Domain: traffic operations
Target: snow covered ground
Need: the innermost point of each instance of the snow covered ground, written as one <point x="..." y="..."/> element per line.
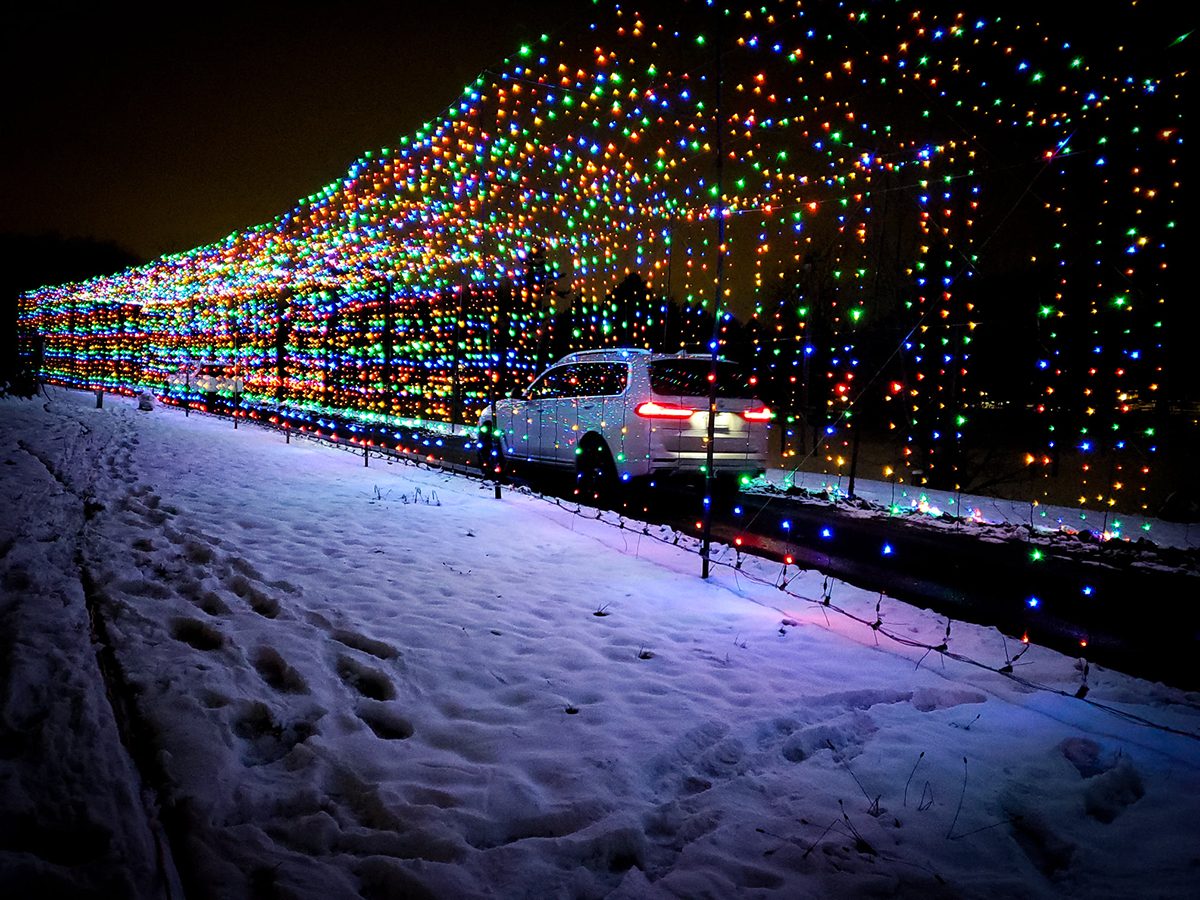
<point x="232" y="666"/>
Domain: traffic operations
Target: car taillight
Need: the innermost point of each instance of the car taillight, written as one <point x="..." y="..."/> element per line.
<point x="762" y="414"/>
<point x="653" y="410"/>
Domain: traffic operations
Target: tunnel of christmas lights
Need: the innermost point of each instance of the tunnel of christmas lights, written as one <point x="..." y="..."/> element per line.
<point x="929" y="216"/>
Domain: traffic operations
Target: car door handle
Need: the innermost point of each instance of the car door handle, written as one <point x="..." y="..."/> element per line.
<point x="587" y="405"/>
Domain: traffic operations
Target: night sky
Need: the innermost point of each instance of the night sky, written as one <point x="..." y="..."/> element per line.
<point x="162" y="133"/>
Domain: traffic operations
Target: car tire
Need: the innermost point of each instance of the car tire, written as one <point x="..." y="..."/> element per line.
<point x="725" y="490"/>
<point x="491" y="455"/>
<point x="595" y="474"/>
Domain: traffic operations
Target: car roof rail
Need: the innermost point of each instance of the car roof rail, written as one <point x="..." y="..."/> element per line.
<point x="690" y="354"/>
<point x="604" y="353"/>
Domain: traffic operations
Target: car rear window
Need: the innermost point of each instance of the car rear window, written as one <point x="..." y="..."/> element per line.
<point x="689" y="378"/>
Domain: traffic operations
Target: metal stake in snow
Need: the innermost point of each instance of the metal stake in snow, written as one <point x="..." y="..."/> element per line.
<point x="715" y="343"/>
<point x="493" y="440"/>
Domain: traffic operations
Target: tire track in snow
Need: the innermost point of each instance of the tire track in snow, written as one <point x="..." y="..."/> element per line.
<point x="137" y="737"/>
<point x="135" y="733"/>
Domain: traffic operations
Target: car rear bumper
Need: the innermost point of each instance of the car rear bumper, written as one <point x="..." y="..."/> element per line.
<point x="728" y="463"/>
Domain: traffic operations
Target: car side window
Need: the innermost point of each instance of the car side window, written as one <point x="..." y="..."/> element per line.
<point x="601" y="379"/>
<point x="536" y="388"/>
<point x="581" y="380"/>
<point x="554" y="383"/>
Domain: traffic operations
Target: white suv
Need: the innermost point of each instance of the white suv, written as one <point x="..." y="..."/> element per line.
<point x="613" y="415"/>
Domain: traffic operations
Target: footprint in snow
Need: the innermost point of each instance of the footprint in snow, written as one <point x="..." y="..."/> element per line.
<point x="842" y="737"/>
<point x="277" y="673"/>
<point x="263" y="604"/>
<point x="930" y="699"/>
<point x="1112" y="782"/>
<point x="370" y="683"/>
<point x="702" y="754"/>
<point x="384" y="721"/>
<point x="197" y="634"/>
<point x="264" y="739"/>
<point x="370" y="646"/>
<point x="198" y="552"/>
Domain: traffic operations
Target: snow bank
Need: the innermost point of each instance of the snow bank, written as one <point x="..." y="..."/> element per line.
<point x="934" y="505"/>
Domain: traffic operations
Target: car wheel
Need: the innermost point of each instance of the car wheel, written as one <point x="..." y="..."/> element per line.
<point x="595" y="474"/>
<point x="491" y="456"/>
<point x="725" y="489"/>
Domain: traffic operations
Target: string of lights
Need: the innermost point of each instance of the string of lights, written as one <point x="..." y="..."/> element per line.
<point x="865" y="152"/>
